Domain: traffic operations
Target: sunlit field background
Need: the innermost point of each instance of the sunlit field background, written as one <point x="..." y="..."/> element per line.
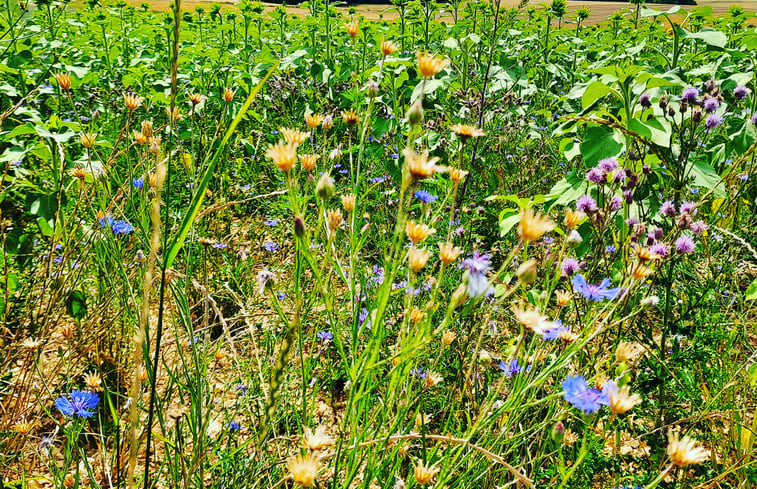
<point x="451" y="245"/>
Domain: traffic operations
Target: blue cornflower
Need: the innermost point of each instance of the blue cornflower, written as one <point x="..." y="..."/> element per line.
<point x="478" y="282"/>
<point x="270" y="246"/>
<point x="425" y="196"/>
<point x="220" y="246"/>
<point x="106" y="221"/>
<point x="375" y="180"/>
<point x="511" y="367"/>
<point x="610" y="249"/>
<point x="418" y="372"/>
<point x="582" y="396"/>
<point x="595" y="292"/>
<point x="281" y="296"/>
<point x="121" y="227"/>
<point x="78" y="403"/>
<point x="271" y="222"/>
<point x="324" y="336"/>
<point x="138" y="183"/>
<point x="555" y="331"/>
<point x="234" y="426"/>
<point x="377" y="278"/>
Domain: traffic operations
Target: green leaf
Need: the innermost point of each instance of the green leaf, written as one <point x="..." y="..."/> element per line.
<point x="751" y="291"/>
<point x="595" y="91"/>
<point x="601" y="142"/>
<point x="706" y="176"/>
<point x="76" y="305"/>
<point x="710" y="37"/>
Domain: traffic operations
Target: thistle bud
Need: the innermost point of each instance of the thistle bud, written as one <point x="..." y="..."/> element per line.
<point x="371" y="89"/>
<point x="527" y="271"/>
<point x="696" y="116"/>
<point x="324" y="189"/>
<point x="558" y="432"/>
<point x="299" y="227"/>
<point x="415" y="113"/>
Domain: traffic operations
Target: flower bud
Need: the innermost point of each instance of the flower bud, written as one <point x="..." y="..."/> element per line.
<point x="371" y="89"/>
<point x="558" y="432"/>
<point x="325" y="187"/>
<point x="415" y="113"/>
<point x="299" y="227"/>
<point x="527" y="271"/>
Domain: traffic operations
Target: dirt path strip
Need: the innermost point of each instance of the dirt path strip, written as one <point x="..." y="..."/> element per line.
<point x="600" y="11"/>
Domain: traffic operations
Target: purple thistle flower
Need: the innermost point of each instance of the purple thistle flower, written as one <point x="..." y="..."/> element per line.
<point x="595" y="292"/>
<point x="685" y="245"/>
<point x="659" y="249"/>
<point x="688" y="207"/>
<point x="754" y="118"/>
<point x="608" y="164"/>
<point x="81" y="404"/>
<point x="570" y="266"/>
<point x="618" y="175"/>
<point x="712" y="121"/>
<point x="645" y="100"/>
<point x="270" y="246"/>
<point x="596" y="175"/>
<point x="586" y="204"/>
<point x="616" y="203"/>
<point x="425" y="196"/>
<point x="740" y="92"/>
<point x="690" y="95"/>
<point x="580" y="395"/>
<point x="668" y="209"/>
<point x="711" y="105"/>
<point x="698" y="227"/>
<point x="478" y="265"/>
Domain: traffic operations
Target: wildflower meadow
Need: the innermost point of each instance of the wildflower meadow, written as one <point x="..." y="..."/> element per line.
<point x="462" y="245"/>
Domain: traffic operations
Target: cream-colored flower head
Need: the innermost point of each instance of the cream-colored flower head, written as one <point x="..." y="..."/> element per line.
<point x="531" y="318"/>
<point x="621" y="399"/>
<point x="627" y="352"/>
<point x="388" y="48"/>
<point x="313" y="120"/>
<point x="533" y="226"/>
<point x="448" y="252"/>
<point x="417" y="258"/>
<point x="424" y="474"/>
<point x="465" y="131"/>
<point x="303" y="469"/>
<point x="316" y="440"/>
<point x="293" y="136"/>
<point x="283" y="155"/>
<point x="684" y="451"/>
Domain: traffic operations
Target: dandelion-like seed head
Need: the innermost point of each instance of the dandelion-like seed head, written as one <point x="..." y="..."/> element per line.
<point x="328" y="123"/>
<point x="530" y="318"/>
<point x="417" y="232"/>
<point x="132" y="101"/>
<point x="430" y="65"/>
<point x="63" y="80"/>
<point x="533" y="226"/>
<point x="626" y="352"/>
<point x="684" y="451"/>
<point x="572" y="218"/>
<point x="334" y="218"/>
<point x="388" y="48"/>
<point x="316" y="440"/>
<point x="432" y="379"/>
<point x="313" y="120"/>
<point x="294" y="136"/>
<point x="284" y="155"/>
<point x="155" y="143"/>
<point x="303" y="469"/>
<point x="417" y="258"/>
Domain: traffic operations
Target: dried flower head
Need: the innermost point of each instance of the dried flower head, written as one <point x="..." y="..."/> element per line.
<point x="303" y="469"/>
<point x="466" y="132"/>
<point x="645" y="255"/>
<point x="533" y="226"/>
<point x="139" y="137"/>
<point x="196" y="98"/>
<point x="640" y="272"/>
<point x="228" y="95"/>
<point x="173" y="115"/>
<point x="419" y="165"/>
<point x="23" y="427"/>
<point x="424" y="474"/>
<point x="348" y="202"/>
<point x="432" y="379"/>
<point x="155" y="143"/>
<point x="448" y="252"/>
<point x="294" y="136"/>
<point x="417" y="232"/>
<point x="430" y="65"/>
<point x="328" y="123"/>
<point x="350" y="117"/>
<point x="448" y="337"/>
<point x="316" y="440"/>
<point x="63" y="80"/>
<point x="572" y="218"/>
<point x="308" y="161"/>
<point x="621" y="399"/>
<point x="334" y="218"/>
<point x="417" y="258"/>
<point x="627" y="352"/>
<point x="79" y="172"/>
<point x="147" y="128"/>
<point x="313" y="120"/>
<point x="283" y="155"/>
<point x="352" y="29"/>
<point x="388" y="48"/>
<point x="684" y="452"/>
<point x="87" y="139"/>
<point x="563" y="297"/>
<point x="93" y="381"/>
<point x="530" y="318"/>
<point x="457" y="175"/>
<point x="132" y="101"/>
